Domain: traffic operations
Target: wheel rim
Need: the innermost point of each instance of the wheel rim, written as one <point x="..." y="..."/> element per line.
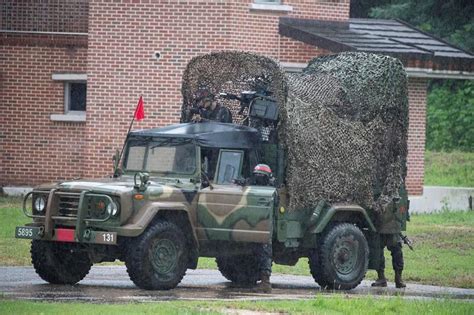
<point x="164" y="256"/>
<point x="345" y="255"/>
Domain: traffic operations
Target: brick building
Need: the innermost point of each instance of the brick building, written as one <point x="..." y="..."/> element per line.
<point x="71" y="71"/>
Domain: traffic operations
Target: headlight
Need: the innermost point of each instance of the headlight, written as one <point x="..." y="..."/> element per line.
<point x="112" y="209"/>
<point x="40" y="203"/>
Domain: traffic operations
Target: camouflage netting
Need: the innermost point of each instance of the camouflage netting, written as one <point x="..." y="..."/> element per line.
<point x="343" y="121"/>
<point x="231" y="72"/>
<point x="345" y="126"/>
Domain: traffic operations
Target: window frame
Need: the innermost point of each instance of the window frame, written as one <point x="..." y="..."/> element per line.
<point x="67" y="97"/>
<point x="67" y="115"/>
<point x="218" y="167"/>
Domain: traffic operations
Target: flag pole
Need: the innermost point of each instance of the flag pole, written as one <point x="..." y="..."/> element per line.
<point x="140" y="101"/>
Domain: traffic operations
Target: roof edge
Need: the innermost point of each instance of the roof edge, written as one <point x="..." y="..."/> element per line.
<point x="434" y="36"/>
<point x="288" y="27"/>
<point x="413" y="72"/>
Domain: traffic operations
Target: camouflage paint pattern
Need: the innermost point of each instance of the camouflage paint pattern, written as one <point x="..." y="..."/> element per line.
<point x="231" y="212"/>
<point x="227" y="212"/>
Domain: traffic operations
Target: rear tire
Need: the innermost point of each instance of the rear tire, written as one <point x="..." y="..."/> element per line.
<point x="341" y="259"/>
<point x="157" y="259"/>
<point x="59" y="263"/>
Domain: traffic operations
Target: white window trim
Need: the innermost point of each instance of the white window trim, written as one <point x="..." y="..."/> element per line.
<point x="69" y="76"/>
<point x="69" y="115"/>
<point x="270" y="6"/>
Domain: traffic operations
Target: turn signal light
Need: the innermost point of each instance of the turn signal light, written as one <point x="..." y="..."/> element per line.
<point x="138" y="197"/>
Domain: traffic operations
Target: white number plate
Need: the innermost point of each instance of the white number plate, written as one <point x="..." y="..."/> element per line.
<point x="106" y="237"/>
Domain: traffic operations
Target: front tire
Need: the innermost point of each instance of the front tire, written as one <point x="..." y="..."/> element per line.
<point x="341" y="259"/>
<point x="157" y="259"/>
<point x="59" y="263"/>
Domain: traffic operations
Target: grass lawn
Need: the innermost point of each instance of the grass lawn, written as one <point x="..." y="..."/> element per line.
<point x="449" y="169"/>
<point x="444" y="248"/>
<point x="338" y="304"/>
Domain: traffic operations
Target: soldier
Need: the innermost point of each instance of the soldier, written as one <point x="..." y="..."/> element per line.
<point x="262" y="176"/>
<point x="214" y="111"/>
<point x="207" y="108"/>
<point x="390" y="224"/>
<point x="393" y="242"/>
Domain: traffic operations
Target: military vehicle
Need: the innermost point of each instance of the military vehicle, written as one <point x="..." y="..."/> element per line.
<point x="178" y="195"/>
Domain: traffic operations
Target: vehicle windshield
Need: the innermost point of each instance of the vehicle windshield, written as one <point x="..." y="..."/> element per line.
<point x="162" y="155"/>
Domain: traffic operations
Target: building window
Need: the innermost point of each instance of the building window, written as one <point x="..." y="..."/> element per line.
<point x="75" y="96"/>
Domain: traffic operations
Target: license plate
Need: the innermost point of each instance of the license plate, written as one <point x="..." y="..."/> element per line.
<point x="106" y="238"/>
<point x="27" y="232"/>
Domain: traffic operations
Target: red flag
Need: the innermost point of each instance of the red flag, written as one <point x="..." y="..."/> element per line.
<point x="140" y="110"/>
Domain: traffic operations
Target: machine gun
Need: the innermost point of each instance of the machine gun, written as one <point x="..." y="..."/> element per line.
<point x="260" y="105"/>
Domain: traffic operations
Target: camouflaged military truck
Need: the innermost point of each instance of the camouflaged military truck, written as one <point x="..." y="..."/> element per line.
<point x="176" y="198"/>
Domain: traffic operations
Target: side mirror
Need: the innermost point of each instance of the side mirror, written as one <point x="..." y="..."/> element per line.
<point x="116" y="160"/>
<point x="144" y="180"/>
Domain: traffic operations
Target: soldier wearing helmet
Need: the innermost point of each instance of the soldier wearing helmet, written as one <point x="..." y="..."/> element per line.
<point x="207" y="108"/>
<point x="262" y="176"/>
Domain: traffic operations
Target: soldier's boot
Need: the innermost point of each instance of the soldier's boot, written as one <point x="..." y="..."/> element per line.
<point x="264" y="286"/>
<point x="398" y="280"/>
<point x="381" y="281"/>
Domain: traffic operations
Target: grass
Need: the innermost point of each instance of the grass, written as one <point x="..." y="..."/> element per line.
<point x="449" y="169"/>
<point x="444" y="248"/>
<point x="338" y="304"/>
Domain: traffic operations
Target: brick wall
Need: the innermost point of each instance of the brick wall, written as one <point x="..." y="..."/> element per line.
<point x="417" y="89"/>
<point x="33" y="148"/>
<point x="121" y="63"/>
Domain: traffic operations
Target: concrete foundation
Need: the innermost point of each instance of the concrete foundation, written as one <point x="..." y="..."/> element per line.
<point x="16" y="191"/>
<point x="437" y="198"/>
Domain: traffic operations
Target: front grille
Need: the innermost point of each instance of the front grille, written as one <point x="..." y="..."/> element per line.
<point x="68" y="204"/>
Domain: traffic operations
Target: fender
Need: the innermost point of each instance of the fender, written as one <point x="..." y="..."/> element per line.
<point x="326" y="216"/>
<point x="140" y="220"/>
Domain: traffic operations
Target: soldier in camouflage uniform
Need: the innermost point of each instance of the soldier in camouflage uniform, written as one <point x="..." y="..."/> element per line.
<point x="391" y="222"/>
<point x="207" y="108"/>
<point x="262" y="176"/>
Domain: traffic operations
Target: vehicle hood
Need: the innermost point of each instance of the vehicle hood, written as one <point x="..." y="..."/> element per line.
<point x="115" y="186"/>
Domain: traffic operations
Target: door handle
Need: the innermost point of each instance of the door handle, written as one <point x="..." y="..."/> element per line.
<point x="263" y="202"/>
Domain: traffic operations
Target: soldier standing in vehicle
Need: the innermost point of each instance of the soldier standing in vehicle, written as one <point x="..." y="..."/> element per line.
<point x="215" y="111"/>
<point x="207" y="108"/>
<point x="391" y="222"/>
<point x="262" y="176"/>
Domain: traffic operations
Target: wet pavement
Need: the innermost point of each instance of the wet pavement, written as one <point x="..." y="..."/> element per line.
<point x="111" y="284"/>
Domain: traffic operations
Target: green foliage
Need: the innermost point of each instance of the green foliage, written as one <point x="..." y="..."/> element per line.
<point x="449" y="169"/>
<point x="450" y="117"/>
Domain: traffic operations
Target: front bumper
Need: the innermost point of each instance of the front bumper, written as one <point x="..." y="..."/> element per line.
<point x="75" y="227"/>
<point x="66" y="235"/>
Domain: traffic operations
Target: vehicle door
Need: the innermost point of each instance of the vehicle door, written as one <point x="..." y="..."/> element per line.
<point x="227" y="211"/>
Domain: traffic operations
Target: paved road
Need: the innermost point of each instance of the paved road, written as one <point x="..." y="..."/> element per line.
<point x="111" y="284"/>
